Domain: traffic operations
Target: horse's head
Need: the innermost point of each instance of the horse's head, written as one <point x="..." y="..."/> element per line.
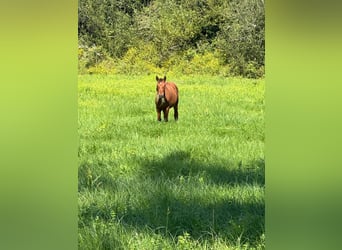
<point x="161" y="83"/>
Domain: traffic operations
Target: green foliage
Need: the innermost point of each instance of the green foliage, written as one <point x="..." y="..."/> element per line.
<point x="241" y="37"/>
<point x="232" y="30"/>
<point x="193" y="184"/>
<point x="169" y="26"/>
<point x="107" y="23"/>
<point x="145" y="60"/>
<point x="90" y="58"/>
<point x="105" y="67"/>
<point x="253" y="71"/>
<point x="139" y="60"/>
<point x="195" y="63"/>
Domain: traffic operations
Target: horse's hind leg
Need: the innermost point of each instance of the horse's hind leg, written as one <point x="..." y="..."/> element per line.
<point x="176" y="111"/>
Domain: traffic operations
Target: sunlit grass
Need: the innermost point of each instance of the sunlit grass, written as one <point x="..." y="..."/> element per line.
<point x="195" y="183"/>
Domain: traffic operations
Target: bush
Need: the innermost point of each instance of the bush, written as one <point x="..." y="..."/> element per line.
<point x="195" y="63"/>
<point x="139" y="60"/>
<point x="252" y="70"/>
<point x="107" y="66"/>
<point x="89" y="57"/>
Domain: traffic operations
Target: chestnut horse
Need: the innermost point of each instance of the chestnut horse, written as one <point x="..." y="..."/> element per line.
<point x="166" y="98"/>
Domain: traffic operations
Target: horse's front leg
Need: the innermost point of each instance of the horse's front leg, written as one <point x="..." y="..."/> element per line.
<point x="158" y="115"/>
<point x="166" y="114"/>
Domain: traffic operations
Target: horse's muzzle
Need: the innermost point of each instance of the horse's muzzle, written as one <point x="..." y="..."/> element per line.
<point x="161" y="99"/>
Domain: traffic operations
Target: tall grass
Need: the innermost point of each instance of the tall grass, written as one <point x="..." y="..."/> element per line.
<point x="197" y="183"/>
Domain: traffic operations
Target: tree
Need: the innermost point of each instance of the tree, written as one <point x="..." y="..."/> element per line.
<point x="232" y="30"/>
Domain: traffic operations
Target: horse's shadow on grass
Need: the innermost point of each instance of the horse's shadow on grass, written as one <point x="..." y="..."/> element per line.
<point x="173" y="202"/>
<point x="178" y="194"/>
<point x="180" y="163"/>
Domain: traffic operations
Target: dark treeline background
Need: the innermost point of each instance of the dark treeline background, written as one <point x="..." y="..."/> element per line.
<point x="223" y="37"/>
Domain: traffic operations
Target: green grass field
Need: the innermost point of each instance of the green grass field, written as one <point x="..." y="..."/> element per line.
<point x="198" y="183"/>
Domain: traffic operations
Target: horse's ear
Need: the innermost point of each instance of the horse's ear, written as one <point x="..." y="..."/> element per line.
<point x="157" y="78"/>
<point x="164" y="78"/>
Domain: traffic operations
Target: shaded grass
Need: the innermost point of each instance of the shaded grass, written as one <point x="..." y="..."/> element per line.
<point x="195" y="183"/>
